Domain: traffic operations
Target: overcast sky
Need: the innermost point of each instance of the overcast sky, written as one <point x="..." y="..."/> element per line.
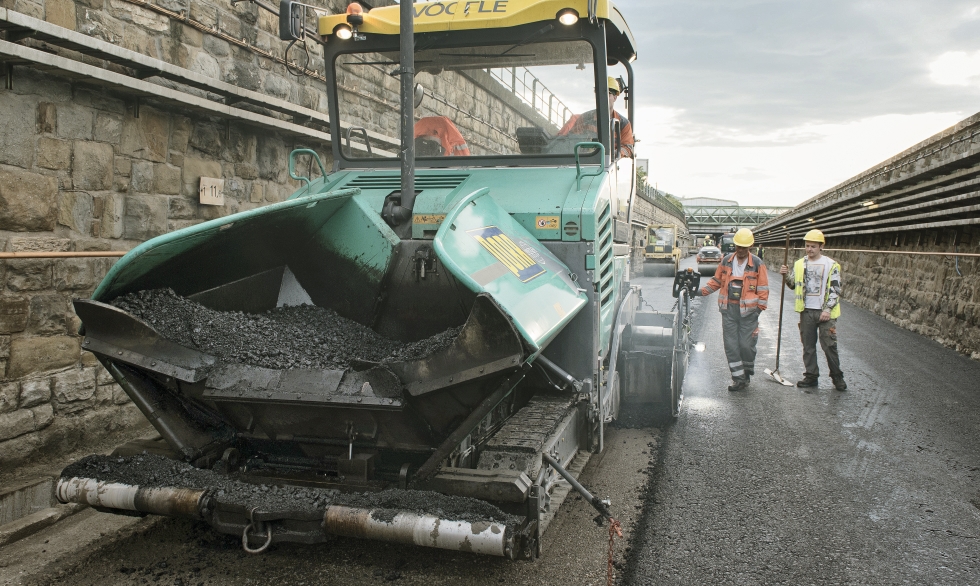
<point x="771" y="102"/>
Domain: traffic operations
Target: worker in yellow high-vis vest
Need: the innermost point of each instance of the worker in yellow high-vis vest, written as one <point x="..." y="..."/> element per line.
<point x="816" y="281"/>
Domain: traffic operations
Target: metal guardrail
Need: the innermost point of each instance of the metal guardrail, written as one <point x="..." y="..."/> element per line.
<point x="658" y="199"/>
<point x="935" y="185"/>
<point x="532" y="91"/>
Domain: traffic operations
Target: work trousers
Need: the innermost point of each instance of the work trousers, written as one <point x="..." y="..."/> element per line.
<point x="741" y="333"/>
<point x="812" y="328"/>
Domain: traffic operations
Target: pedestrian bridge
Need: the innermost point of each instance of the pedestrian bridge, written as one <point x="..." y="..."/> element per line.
<point x="711" y="216"/>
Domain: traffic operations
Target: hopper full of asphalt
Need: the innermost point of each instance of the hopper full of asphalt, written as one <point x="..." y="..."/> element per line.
<point x="152" y="471"/>
<point x="305" y="336"/>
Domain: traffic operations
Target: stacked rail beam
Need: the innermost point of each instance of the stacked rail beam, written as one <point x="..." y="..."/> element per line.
<point x="933" y="185"/>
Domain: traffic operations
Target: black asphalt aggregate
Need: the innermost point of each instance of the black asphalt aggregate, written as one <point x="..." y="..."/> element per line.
<point x="876" y="485"/>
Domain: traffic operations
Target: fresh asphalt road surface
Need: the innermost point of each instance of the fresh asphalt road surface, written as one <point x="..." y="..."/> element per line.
<point x="876" y="485"/>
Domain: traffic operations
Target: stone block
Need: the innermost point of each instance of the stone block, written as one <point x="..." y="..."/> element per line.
<point x="215" y="46"/>
<point x="141" y="179"/>
<point x="53" y="153"/>
<point x="271" y="154"/>
<point x="16" y="424"/>
<point x="246" y="171"/>
<point x="150" y="20"/>
<point x="176" y="159"/>
<point x="181" y="133"/>
<point x="34" y="392"/>
<point x="29" y="275"/>
<point x="258" y="193"/>
<point x="277" y="86"/>
<point x="14" y="310"/>
<point x="113" y="216"/>
<point x="39" y="354"/>
<point x="146" y="216"/>
<point x="46" y="86"/>
<point x="203" y="63"/>
<point x="195" y="168"/>
<point x="75" y="121"/>
<point x="73" y="385"/>
<point x="242" y="72"/>
<point x="102" y="377"/>
<point x="31" y="8"/>
<point x="90" y="360"/>
<point x="28" y="201"/>
<point x="47" y="315"/>
<point x="100" y="101"/>
<point x="146" y="137"/>
<point x="43" y="416"/>
<point x="182" y="208"/>
<point x="119" y="396"/>
<point x="75" y="210"/>
<point x="74" y="275"/>
<point x="9" y="396"/>
<point x="47" y="118"/>
<point x="92" y="165"/>
<point x="207" y="138"/>
<point x="39" y="244"/>
<point x="60" y="12"/>
<point x="108" y="127"/>
<point x="166" y="179"/>
<point x="138" y="40"/>
<point x="122" y="166"/>
<point x="204" y="12"/>
<point x="190" y="36"/>
<point x="17" y="128"/>
<point x="241" y="148"/>
<point x="73" y="322"/>
<point x="4" y="347"/>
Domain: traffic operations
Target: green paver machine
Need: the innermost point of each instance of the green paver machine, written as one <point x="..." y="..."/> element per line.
<point x="495" y="212"/>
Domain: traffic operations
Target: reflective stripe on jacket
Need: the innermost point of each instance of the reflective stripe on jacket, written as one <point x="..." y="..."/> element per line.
<point x="799" y="269"/>
<point x="755" y="284"/>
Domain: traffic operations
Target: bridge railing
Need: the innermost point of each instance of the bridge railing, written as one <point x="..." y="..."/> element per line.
<point x="660" y="200"/>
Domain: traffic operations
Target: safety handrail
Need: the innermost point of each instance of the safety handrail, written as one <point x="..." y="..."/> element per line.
<point x="578" y="164"/>
<point x="292" y="163"/>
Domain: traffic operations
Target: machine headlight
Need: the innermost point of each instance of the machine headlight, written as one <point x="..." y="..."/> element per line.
<point x="343" y="32"/>
<point x="567" y="16"/>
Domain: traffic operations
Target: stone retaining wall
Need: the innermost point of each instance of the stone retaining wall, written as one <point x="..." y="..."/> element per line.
<point x="936" y="296"/>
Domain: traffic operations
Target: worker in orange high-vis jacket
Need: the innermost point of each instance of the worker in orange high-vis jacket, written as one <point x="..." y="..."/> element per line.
<point x="743" y="283"/>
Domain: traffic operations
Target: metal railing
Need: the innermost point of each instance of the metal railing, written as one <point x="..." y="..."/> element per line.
<point x="532" y="91"/>
<point x="660" y="200"/>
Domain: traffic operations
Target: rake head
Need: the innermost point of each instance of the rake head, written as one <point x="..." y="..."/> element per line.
<point x="775" y="376"/>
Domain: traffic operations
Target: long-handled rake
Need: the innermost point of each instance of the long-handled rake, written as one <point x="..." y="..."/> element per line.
<point x="779" y="332"/>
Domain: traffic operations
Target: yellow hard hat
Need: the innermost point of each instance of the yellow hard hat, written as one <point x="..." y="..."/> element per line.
<point x="815" y="236"/>
<point x="744" y="238"/>
<point x="613" y="84"/>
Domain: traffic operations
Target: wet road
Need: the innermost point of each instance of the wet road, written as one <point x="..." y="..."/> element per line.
<point x="877" y="485"/>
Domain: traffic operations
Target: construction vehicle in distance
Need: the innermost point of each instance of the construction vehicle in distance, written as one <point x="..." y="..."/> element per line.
<point x="727" y="243"/>
<point x="663" y="247"/>
<point x="516" y="248"/>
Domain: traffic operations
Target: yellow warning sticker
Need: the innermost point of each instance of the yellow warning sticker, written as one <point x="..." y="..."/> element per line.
<point x="547" y="222"/>
<point x="507" y="252"/>
<point x="428" y="218"/>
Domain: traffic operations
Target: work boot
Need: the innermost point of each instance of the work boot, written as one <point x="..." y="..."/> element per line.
<point x="839" y="383"/>
<point x="739" y="384"/>
<point x="809" y="380"/>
